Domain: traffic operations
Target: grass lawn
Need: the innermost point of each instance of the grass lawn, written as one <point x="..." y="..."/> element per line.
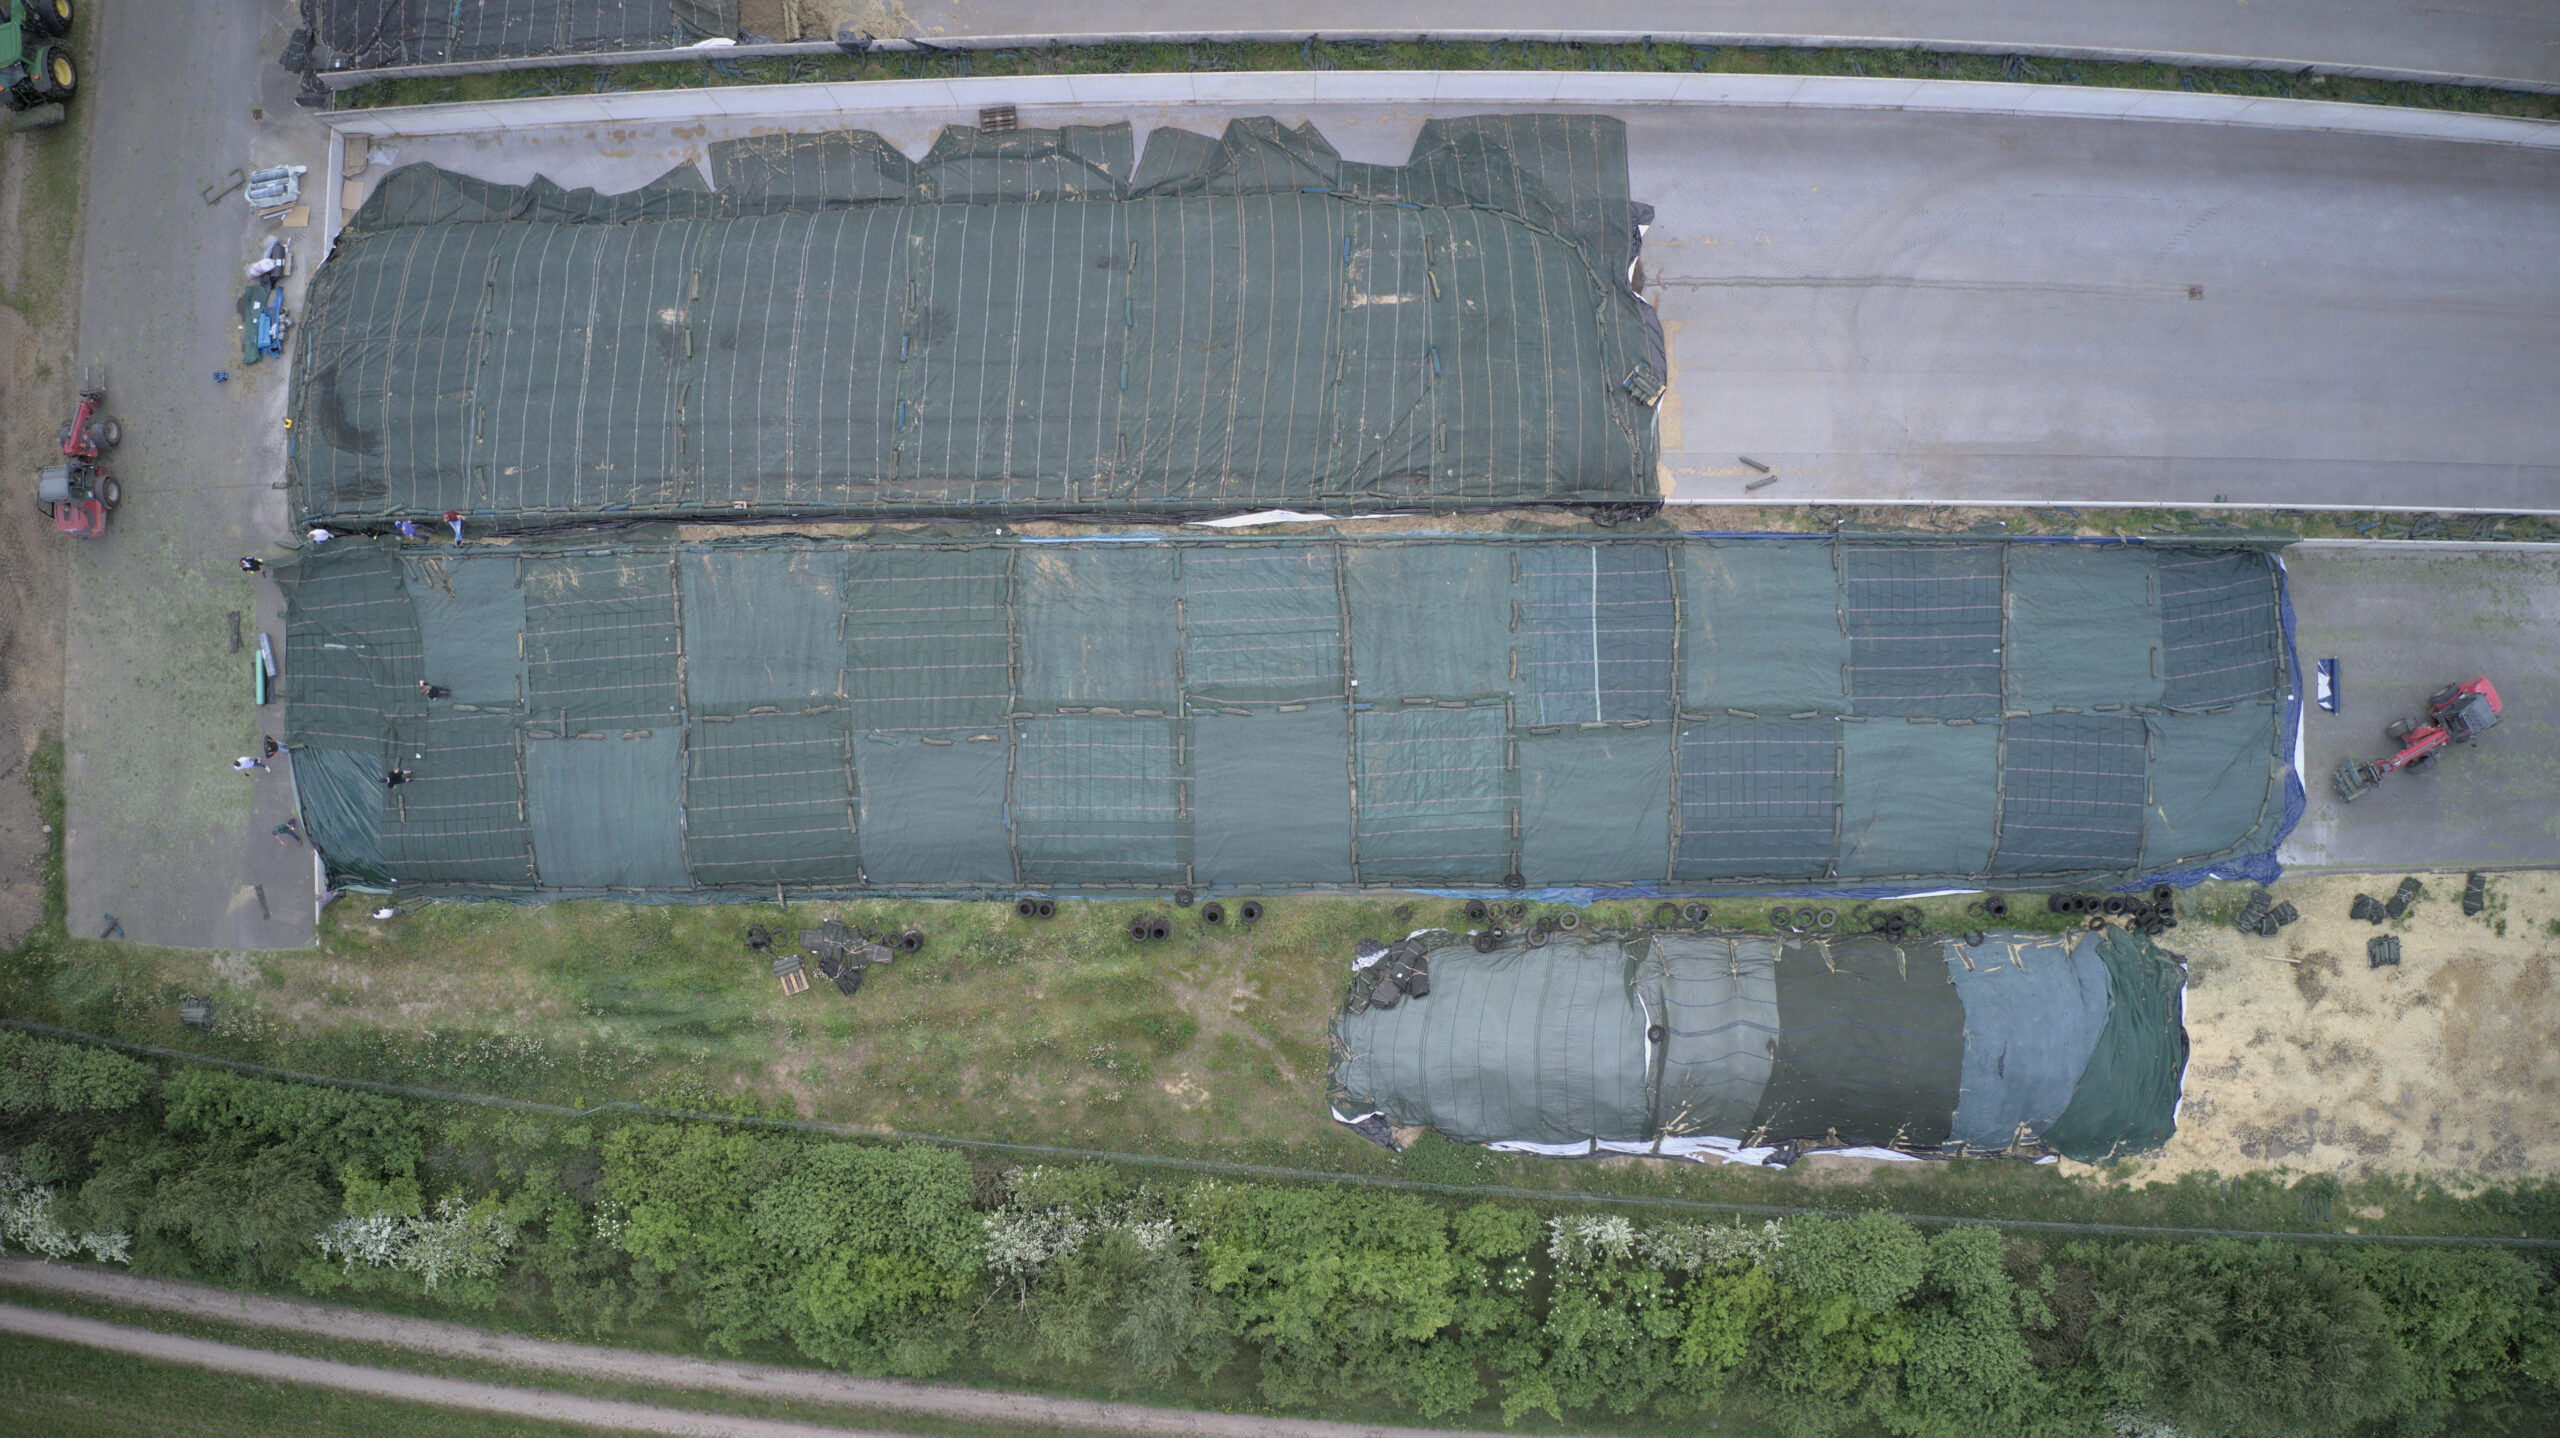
<point x="66" y="1391"/>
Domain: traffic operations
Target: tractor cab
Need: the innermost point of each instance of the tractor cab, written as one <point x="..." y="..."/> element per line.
<point x="2472" y="709"/>
<point x="78" y="497"/>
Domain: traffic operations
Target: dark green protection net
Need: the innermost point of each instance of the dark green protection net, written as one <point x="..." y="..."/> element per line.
<point x="1137" y="714"/>
<point x="1023" y="322"/>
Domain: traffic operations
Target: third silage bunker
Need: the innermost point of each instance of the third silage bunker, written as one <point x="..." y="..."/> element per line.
<point x="1023" y="322"/>
<point x="1141" y="714"/>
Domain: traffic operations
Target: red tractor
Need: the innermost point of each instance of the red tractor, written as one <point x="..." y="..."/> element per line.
<point x="2456" y="714"/>
<point x="77" y="493"/>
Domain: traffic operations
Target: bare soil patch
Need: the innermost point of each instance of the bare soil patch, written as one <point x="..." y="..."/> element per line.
<point x="2306" y="1057"/>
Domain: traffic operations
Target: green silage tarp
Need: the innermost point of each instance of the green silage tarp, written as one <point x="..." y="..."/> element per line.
<point x="1533" y="1045"/>
<point x="2127" y="1098"/>
<point x="1016" y="323"/>
<point x="372" y="34"/>
<point x="1688" y="1041"/>
<point x="961" y="714"/>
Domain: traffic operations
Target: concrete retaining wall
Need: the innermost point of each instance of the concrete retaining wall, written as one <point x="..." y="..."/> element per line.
<point x="848" y="103"/>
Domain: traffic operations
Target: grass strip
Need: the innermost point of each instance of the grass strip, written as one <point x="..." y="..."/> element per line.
<point x="1643" y="58"/>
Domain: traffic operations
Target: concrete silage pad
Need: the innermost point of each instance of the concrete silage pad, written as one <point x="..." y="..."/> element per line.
<point x="1917" y="306"/>
<point x="2403" y="622"/>
<point x="156" y="704"/>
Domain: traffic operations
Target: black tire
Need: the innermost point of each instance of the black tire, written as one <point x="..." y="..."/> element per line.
<point x="2396" y="730"/>
<point x="1568" y="921"/>
<point x="1213" y="912"/>
<point x="1666" y="912"/>
<point x="1696" y="913"/>
<point x="2111" y="904"/>
<point x="1138" y="930"/>
<point x="1026" y="908"/>
<point x="1975" y="939"/>
<point x="1182" y="898"/>
<point x="1515" y="910"/>
<point x="1656" y="1033"/>
<point x="1250" y="911"/>
<point x="1158" y="931"/>
<point x="2442" y="697"/>
<point x="2163" y="895"/>
<point x="106" y="434"/>
<point x="1483" y="943"/>
<point x="1781" y="916"/>
<point x="1476" y="909"/>
<point x="56" y="78"/>
<point x="1996" y="906"/>
<point x="110" y="493"/>
<point x="1513" y="880"/>
<point x="49" y="17"/>
<point x="1048" y="908"/>
<point x="912" y="941"/>
<point x="1537" y="938"/>
<point x="1826" y="918"/>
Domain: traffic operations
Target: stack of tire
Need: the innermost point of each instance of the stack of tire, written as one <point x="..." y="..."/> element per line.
<point x="2153" y="913"/>
<point x="1389" y="976"/>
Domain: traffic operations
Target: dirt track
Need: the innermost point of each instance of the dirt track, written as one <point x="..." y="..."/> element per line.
<point x="453" y="1340"/>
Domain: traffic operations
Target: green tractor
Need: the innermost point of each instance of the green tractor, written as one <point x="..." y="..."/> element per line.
<point x="36" y="73"/>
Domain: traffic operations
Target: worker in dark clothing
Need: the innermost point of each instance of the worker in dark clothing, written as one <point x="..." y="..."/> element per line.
<point x="434" y="691"/>
<point x="396" y="778"/>
<point x="252" y="564"/>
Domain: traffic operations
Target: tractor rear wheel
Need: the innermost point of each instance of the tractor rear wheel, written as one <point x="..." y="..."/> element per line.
<point x="2397" y="729"/>
<point x="49" y="17"/>
<point x="2442" y="697"/>
<point x="55" y="75"/>
<point x="110" y="493"/>
<point x="105" y="433"/>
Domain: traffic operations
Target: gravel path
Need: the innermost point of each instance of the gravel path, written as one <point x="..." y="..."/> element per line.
<point x="454" y="1340"/>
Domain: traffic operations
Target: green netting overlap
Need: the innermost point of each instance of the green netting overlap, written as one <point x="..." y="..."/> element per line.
<point x="1718" y="1006"/>
<point x="1016" y="322"/>
<point x="2074" y="788"/>
<point x="601" y="641"/>
<point x="760" y="634"/>
<point x="471" y="622"/>
<point x="933" y="808"/>
<point x="1761" y="628"/>
<point x="1924" y="625"/>
<point x="928" y="637"/>
<point x="351" y="661"/>
<point x="1433" y="788"/>
<point x="463" y="816"/>
<point x="1917" y="798"/>
<point x="1758" y="801"/>
<point x="608" y="811"/>
<point x="1262" y="624"/>
<point x="769" y="799"/>
<point x="1594" y="803"/>
<point x="1267" y="802"/>
<point x="1099" y="801"/>
<point x="1098" y="627"/>
<point x="1597" y="628"/>
<point x="2065" y="620"/>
